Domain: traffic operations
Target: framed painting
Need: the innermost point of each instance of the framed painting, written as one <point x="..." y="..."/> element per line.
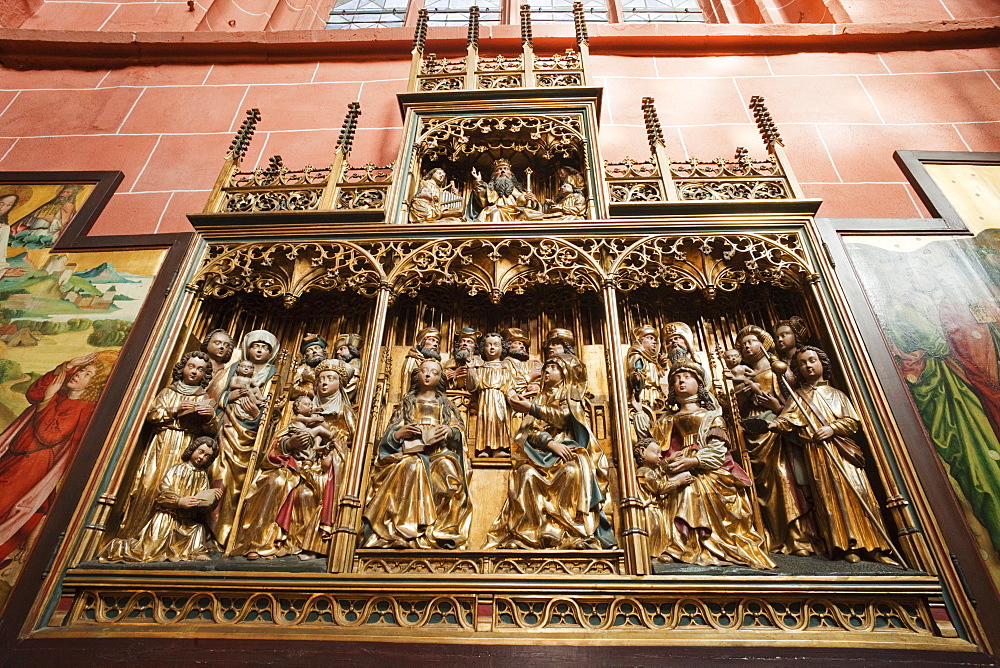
<point x="69" y="305"/>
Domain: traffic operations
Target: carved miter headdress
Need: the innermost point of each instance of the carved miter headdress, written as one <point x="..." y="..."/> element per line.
<point x="514" y="334"/>
<point x="560" y="335"/>
<point x="798" y="327"/>
<point x="763" y="336"/>
<point x="684" y="330"/>
<point x="644" y="330"/>
<point x="260" y="336"/>
<point x="352" y="340"/>
<point x="344" y="370"/>
<point x="311" y="340"/>
<point x="425" y="332"/>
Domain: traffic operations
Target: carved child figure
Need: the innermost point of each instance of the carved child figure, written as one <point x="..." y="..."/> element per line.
<point x="242" y="383"/>
<point x="306" y="421"/>
<point x="490" y="381"/>
<point x="741" y="374"/>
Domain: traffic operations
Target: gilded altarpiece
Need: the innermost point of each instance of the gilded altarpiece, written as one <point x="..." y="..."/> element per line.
<point x="500" y="218"/>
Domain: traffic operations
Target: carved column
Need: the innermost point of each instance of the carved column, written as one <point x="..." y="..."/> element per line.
<point x="345" y="537"/>
<point x="633" y="521"/>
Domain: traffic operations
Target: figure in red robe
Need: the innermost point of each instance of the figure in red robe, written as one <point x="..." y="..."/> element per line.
<point x="37" y="447"/>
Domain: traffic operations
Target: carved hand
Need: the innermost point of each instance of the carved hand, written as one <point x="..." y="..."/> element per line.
<point x="824" y="433"/>
<point x="189" y="501"/>
<point x="440" y="434"/>
<point x="683" y="464"/>
<point x="561" y="449"/>
<point x="519" y="403"/>
<point x="407" y="431"/>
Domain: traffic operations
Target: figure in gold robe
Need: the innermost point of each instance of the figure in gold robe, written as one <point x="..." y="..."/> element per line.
<point x="709" y="519"/>
<point x="434" y="202"/>
<point x="559" y="483"/>
<point x="490" y="381"/>
<point x="178" y="414"/>
<point x="647" y="378"/>
<point x="291" y="502"/>
<point x="314" y="350"/>
<point x="238" y="418"/>
<point x="419" y="494"/>
<point x="778" y="471"/>
<point x="347" y="348"/>
<point x="176" y="531"/>
<point x="825" y="421"/>
<point x="503" y="199"/>
<point x="218" y="345"/>
<point x="570" y="204"/>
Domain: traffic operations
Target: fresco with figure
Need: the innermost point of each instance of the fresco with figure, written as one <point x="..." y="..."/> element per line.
<point x="936" y="300"/>
<point x="63" y="319"/>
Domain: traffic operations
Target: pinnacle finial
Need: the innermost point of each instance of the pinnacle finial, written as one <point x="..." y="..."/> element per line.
<point x="420" y="32"/>
<point x="240" y="143"/>
<point x="473" y="40"/>
<point x="346" y="139"/>
<point x="765" y="124"/>
<point x="654" y="133"/>
<point x="580" y="23"/>
<point x="526" y="25"/>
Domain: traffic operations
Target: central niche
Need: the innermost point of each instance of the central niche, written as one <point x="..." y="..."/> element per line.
<point x="454" y="160"/>
<point x="455" y="317"/>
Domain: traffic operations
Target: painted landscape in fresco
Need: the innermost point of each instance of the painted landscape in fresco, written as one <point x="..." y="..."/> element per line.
<point x="936" y="300"/>
<point x="63" y="319"/>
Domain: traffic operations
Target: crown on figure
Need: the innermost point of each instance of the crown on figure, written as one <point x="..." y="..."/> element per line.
<point x="501" y="162"/>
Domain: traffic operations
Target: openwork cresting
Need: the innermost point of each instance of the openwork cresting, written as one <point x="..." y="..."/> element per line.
<point x="276" y="188"/>
<point x="661" y="179"/>
<point x="705" y="263"/>
<point x="620" y="614"/>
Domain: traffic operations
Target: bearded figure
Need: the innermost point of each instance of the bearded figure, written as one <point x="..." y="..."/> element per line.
<point x="679" y="348"/>
<point x="426" y="347"/>
<point x="314" y="351"/>
<point x="503" y="199"/>
<point x="347" y="348"/>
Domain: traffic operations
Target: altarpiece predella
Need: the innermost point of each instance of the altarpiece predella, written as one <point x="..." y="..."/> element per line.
<point x="502" y="387"/>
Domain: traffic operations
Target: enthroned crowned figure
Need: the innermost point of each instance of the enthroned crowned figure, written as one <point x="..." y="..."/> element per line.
<point x="503" y="199"/>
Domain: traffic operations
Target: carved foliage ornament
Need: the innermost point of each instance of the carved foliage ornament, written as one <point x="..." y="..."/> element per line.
<point x="549" y="135"/>
<point x="713" y="262"/>
<point x="682" y="262"/>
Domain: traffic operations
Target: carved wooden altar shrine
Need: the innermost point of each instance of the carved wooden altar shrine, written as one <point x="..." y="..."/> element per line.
<point x="715" y="244"/>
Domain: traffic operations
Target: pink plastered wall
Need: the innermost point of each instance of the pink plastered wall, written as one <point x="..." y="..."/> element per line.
<point x="168" y="127"/>
<point x="841" y="115"/>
